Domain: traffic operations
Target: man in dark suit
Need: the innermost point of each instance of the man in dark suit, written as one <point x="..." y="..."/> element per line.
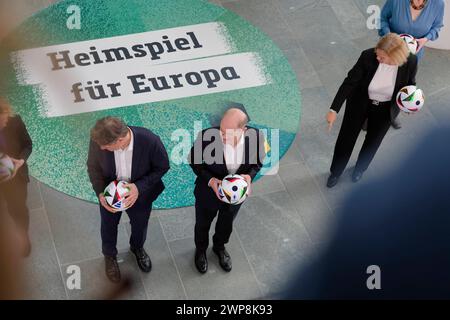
<point x="16" y="143"/>
<point x="231" y="148"/>
<point x="135" y="155"/>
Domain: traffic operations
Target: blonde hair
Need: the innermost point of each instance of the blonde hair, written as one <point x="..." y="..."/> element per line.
<point x="5" y="108"/>
<point x="395" y="47"/>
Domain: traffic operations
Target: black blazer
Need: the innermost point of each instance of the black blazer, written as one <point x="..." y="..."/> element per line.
<point x="355" y="87"/>
<point x="251" y="165"/>
<point x="150" y="163"/>
<point x="18" y="144"/>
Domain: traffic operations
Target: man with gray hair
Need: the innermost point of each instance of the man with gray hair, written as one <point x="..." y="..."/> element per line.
<point x="232" y="148"/>
<point x="137" y="156"/>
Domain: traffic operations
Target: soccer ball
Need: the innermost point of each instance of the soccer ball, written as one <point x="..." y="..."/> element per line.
<point x="233" y="189"/>
<point x="410" y="99"/>
<point x="114" y="193"/>
<point x="411" y="42"/>
<point x="6" y="167"/>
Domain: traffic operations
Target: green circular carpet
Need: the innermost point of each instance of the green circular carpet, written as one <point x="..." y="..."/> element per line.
<point x="61" y="139"/>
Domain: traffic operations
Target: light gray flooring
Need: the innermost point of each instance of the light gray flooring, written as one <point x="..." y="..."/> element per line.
<point x="284" y="223"/>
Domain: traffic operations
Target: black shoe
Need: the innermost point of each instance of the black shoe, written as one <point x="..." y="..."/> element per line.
<point x="224" y="259"/>
<point x="364" y="126"/>
<point x="357" y="175"/>
<point x="332" y="181"/>
<point x="395" y="124"/>
<point x="201" y="263"/>
<point x="112" y="269"/>
<point x="143" y="260"/>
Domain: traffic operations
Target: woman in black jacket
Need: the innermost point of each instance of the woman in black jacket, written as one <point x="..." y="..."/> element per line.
<point x="16" y="143"/>
<point x="370" y="90"/>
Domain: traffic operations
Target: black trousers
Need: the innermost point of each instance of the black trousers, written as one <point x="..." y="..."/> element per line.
<point x="204" y="216"/>
<point x="378" y="123"/>
<point x="14" y="195"/>
<point x="139" y="217"/>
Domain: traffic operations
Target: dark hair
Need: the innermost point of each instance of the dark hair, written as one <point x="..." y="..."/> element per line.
<point x="107" y="130"/>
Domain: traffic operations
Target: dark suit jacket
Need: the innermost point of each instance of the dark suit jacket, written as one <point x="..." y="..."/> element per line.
<point x="150" y="163"/>
<point x="251" y="165"/>
<point x="18" y="144"/>
<point x="355" y="87"/>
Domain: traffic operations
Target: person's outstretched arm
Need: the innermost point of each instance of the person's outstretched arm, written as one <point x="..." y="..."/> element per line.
<point x="437" y="24"/>
<point x="386" y="14"/>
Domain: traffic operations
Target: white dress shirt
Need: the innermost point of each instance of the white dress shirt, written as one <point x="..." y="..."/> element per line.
<point x="123" y="159"/>
<point x="234" y="155"/>
<point x="383" y="83"/>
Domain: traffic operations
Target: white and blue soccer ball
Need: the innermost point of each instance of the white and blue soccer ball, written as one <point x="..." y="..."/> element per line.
<point x="411" y="42"/>
<point x="114" y="195"/>
<point x="233" y="190"/>
<point x="410" y="99"/>
<point x="6" y="167"/>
